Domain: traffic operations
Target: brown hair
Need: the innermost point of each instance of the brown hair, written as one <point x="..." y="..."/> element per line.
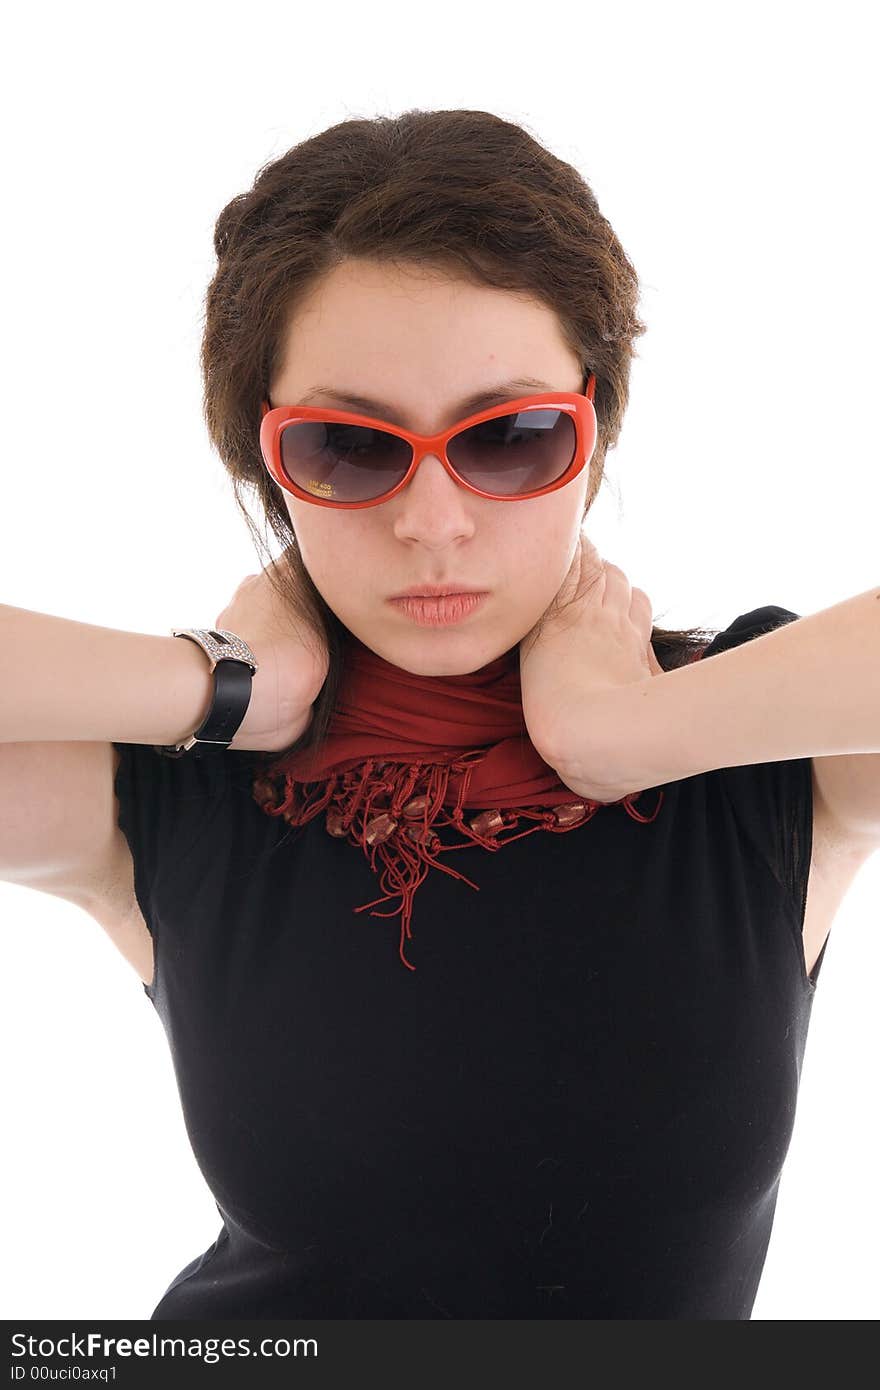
<point x="461" y="191"/>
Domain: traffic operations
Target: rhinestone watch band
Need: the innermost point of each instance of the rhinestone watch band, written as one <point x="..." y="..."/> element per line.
<point x="234" y="666"/>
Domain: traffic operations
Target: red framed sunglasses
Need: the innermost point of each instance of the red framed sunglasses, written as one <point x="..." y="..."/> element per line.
<point x="520" y="449"/>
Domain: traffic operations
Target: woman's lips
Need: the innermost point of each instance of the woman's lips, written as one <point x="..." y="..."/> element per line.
<point x="439" y="612"/>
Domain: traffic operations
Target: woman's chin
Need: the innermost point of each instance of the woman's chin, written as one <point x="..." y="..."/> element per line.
<point x="430" y="652"/>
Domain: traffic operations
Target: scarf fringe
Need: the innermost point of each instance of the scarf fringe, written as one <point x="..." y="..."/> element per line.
<point x="391" y="808"/>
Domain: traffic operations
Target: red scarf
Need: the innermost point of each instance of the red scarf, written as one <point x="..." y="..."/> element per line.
<point x="401" y="748"/>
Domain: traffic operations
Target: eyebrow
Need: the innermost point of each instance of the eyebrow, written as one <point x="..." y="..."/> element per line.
<point x="469" y="406"/>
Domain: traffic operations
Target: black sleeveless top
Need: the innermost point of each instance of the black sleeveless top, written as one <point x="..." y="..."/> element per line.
<point x="577" y="1106"/>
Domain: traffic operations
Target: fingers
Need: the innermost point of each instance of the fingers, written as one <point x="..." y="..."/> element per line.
<point x="642" y="604"/>
<point x="653" y="664"/>
<point x="641" y="615"/>
<point x="589" y="551"/>
<point x="617" y="587"/>
<point x="618" y="592"/>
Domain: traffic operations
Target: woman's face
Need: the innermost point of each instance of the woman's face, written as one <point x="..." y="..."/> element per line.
<point x="420" y="343"/>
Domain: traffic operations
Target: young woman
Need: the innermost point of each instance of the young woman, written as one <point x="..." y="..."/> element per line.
<point x="479" y="927"/>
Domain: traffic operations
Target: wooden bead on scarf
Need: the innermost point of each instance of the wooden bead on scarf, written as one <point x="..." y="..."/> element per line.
<point x="336" y="824"/>
<point x="419" y="836"/>
<point x="487" y="823"/>
<point x="379" y="829"/>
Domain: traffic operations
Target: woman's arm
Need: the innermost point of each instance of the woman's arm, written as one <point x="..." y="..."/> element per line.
<point x="810" y="688"/>
<point x="65" y="680"/>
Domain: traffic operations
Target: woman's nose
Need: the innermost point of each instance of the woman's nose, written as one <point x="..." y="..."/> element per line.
<point x="432" y="501"/>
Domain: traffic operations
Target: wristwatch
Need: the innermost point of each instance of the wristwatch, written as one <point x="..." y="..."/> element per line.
<point x="234" y="666"/>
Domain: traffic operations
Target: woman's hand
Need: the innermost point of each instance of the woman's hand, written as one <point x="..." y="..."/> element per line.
<point x="292" y="656"/>
<point x="594" y="637"/>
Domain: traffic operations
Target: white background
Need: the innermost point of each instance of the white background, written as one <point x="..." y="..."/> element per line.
<point x="734" y="151"/>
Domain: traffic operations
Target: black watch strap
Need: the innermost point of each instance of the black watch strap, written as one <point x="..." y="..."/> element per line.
<point x="234" y="666"/>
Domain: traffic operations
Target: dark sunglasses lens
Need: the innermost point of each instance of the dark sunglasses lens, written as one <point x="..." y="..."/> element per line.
<point x="339" y="462"/>
<point x="506" y="456"/>
<point x="514" y="454"/>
